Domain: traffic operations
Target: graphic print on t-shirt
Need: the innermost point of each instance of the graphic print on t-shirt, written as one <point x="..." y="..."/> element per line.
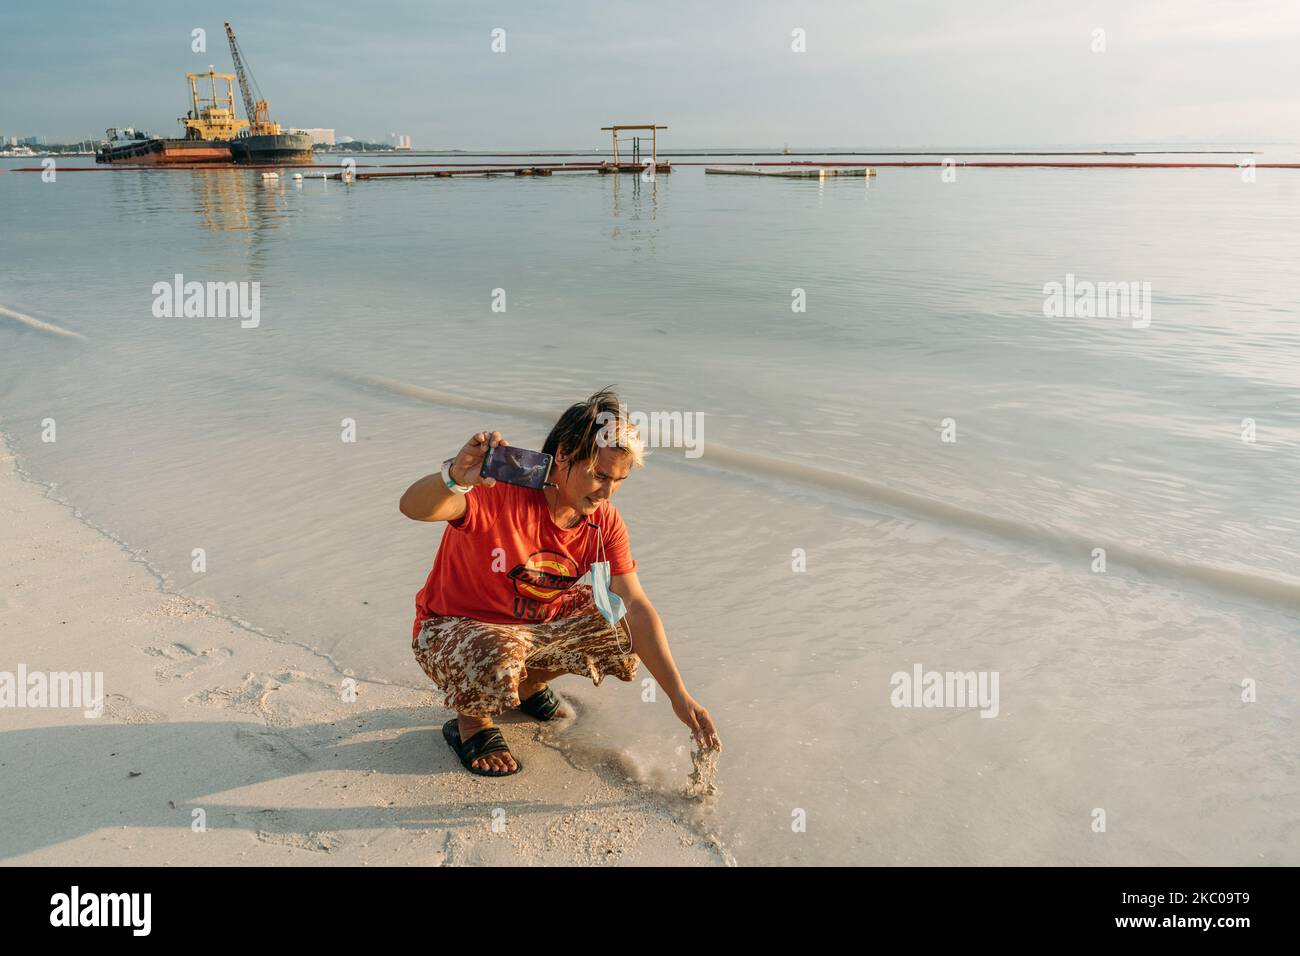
<point x="544" y="575"/>
<point x="540" y="580"/>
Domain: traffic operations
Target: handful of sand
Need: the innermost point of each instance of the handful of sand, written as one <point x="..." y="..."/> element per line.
<point x="703" y="781"/>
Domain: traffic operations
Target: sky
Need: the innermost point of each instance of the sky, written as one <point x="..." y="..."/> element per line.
<point x="718" y="74"/>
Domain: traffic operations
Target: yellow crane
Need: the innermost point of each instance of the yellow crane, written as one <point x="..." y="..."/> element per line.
<point x="263" y="143"/>
<point x="259" y="113"/>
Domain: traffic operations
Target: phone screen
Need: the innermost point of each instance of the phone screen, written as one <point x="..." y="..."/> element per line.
<point x="517" y="466"/>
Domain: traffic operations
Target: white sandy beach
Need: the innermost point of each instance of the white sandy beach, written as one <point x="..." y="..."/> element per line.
<point x="203" y="713"/>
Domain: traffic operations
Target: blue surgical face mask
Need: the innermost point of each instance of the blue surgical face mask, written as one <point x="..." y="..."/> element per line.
<point x="609" y="604"/>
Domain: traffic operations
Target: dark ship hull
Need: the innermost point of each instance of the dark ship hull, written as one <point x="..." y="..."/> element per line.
<point x="284" y="148"/>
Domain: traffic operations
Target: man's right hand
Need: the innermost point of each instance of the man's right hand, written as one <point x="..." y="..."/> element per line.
<point x="469" y="460"/>
<point x="430" y="500"/>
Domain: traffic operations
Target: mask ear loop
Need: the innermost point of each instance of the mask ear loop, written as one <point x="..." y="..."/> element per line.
<point x="618" y="635"/>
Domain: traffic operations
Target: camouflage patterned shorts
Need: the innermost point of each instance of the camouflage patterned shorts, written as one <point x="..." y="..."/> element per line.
<point x="478" y="665"/>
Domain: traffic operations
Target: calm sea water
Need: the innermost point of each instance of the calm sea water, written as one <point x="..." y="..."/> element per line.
<point x="1172" y="444"/>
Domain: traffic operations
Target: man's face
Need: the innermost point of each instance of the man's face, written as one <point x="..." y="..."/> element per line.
<point x="585" y="490"/>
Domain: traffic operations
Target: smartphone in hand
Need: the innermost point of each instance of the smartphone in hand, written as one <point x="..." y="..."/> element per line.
<point x="516" y="466"/>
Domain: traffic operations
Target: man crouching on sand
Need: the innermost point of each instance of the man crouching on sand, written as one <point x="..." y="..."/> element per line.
<point x="502" y="615"/>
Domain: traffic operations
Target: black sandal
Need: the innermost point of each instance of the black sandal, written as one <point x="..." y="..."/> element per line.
<point x="486" y="741"/>
<point x="541" y="705"/>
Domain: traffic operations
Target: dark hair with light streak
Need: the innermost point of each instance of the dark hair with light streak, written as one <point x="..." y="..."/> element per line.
<point x="577" y="432"/>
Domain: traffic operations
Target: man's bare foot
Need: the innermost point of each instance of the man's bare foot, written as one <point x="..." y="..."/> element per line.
<point x="469" y="726"/>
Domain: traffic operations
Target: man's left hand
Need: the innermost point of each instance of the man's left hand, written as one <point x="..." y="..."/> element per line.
<point x="693" y="715"/>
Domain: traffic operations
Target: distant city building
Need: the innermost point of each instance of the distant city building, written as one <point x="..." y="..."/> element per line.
<point x="32" y="141"/>
<point x="320" y="137"/>
<point x="346" y="139"/>
<point x="399" y="141"/>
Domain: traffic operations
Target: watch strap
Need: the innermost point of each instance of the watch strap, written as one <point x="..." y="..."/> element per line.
<point x="451" y="482"/>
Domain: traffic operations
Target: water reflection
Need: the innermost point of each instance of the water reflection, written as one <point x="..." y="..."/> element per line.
<point x="637" y="200"/>
<point x="220" y="199"/>
<point x="233" y="200"/>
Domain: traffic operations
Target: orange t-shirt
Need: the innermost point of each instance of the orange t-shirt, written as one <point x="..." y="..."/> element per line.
<point x="506" y="561"/>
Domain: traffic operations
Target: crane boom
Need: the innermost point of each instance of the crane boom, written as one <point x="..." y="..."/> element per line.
<point x="259" y="113"/>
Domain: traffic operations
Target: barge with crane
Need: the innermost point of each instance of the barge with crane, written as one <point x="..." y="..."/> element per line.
<point x="262" y="141"/>
<point x="214" y="133"/>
